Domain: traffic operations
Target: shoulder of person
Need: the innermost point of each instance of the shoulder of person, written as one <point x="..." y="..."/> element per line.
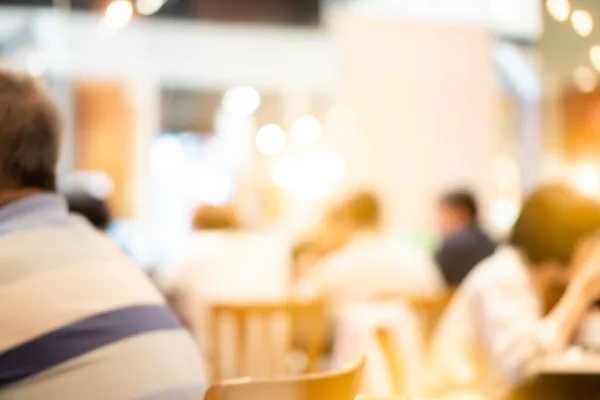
<point x="503" y="271"/>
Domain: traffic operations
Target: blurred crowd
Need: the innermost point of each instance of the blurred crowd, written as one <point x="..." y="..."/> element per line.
<point x="75" y="306"/>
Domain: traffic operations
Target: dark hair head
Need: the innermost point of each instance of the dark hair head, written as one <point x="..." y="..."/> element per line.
<point x="462" y="200"/>
<point x="211" y="217"/>
<point x="92" y="209"/>
<point x="553" y="220"/>
<point x="29" y="134"/>
<point x="363" y="210"/>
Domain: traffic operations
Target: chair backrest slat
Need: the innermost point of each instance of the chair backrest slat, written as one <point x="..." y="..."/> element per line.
<point x="300" y="324"/>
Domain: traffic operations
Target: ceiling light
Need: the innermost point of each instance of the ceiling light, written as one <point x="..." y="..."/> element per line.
<point x="241" y="101"/>
<point x="582" y="22"/>
<point x="306" y="130"/>
<point x="149" y="7"/>
<point x="119" y="13"/>
<point x="270" y="139"/>
<point x="559" y="9"/>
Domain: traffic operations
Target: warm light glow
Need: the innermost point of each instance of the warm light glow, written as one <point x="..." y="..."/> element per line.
<point x="119" y="13"/>
<point x="270" y="139"/>
<point x="311" y="177"/>
<point x="559" y="9"/>
<point x="332" y="166"/>
<point x="36" y="64"/>
<point x="582" y="22"/>
<point x="585" y="79"/>
<point x="149" y="7"/>
<point x="507" y="173"/>
<point x="587" y="179"/>
<point x="213" y="185"/>
<point x="241" y="101"/>
<point x="504" y="213"/>
<point x="306" y="130"/>
<point x="595" y="57"/>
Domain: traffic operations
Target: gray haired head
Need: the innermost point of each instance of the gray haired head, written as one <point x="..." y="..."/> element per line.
<point x="30" y="133"/>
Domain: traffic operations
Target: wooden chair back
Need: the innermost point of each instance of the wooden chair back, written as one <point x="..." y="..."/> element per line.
<point x="395" y="367"/>
<point x="283" y="327"/>
<point x="342" y="385"/>
<point x="430" y="310"/>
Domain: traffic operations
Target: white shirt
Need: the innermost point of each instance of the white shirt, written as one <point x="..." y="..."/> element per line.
<point x="372" y="267"/>
<point x="355" y="335"/>
<point x="492" y="332"/>
<point x="227" y="266"/>
<point x="230" y="266"/>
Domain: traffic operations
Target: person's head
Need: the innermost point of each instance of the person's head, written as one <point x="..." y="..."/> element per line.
<point x="215" y="218"/>
<point x="30" y="132"/>
<point x="94" y="210"/>
<point x="457" y="210"/>
<point x="554" y="224"/>
<point x="363" y="211"/>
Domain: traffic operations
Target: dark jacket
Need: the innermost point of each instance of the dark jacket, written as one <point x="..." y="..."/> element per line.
<point x="461" y="252"/>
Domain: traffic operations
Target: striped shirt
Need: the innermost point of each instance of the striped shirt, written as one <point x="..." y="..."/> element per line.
<point x="78" y="320"/>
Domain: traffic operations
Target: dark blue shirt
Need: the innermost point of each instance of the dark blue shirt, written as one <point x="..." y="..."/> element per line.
<point x="461" y="252"/>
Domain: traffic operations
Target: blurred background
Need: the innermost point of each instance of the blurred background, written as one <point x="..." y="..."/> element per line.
<point x="284" y="106"/>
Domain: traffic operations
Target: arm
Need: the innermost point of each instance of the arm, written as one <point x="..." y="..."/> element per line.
<point x="515" y="334"/>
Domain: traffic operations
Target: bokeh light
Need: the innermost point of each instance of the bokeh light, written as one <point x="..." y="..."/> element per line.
<point x="583" y="22"/>
<point x="119" y="13"/>
<point x="306" y="130"/>
<point x="270" y="139"/>
<point x="241" y="101"/>
<point x="309" y="177"/>
<point x="166" y="155"/>
<point x="587" y="179"/>
<point x="585" y="79"/>
<point x="149" y="7"/>
<point x="504" y="214"/>
<point x="559" y="9"/>
<point x="595" y="57"/>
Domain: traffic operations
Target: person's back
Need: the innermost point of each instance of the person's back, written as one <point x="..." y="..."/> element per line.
<point x="494" y="334"/>
<point x="79" y="320"/>
<point x="464" y="243"/>
<point x="372" y="265"/>
<point x="459" y="361"/>
<point x="461" y="252"/>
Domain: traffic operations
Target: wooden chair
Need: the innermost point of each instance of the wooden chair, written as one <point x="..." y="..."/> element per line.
<point x="342" y="385"/>
<point x="281" y="323"/>
<point x="394" y="366"/>
<point x="430" y="310"/>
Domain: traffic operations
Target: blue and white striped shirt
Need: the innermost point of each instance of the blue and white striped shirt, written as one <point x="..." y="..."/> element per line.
<point x="78" y="320"/>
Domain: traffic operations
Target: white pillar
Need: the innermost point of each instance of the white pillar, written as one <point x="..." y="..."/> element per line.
<point x="423" y="95"/>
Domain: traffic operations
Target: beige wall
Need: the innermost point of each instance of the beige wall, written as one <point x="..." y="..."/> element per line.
<point x="424" y="98"/>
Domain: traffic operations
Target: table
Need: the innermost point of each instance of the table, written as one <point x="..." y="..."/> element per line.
<point x="574" y="375"/>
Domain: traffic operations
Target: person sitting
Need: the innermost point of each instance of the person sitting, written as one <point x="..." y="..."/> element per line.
<point x="368" y="285"/>
<point x="222" y="262"/>
<point x="372" y="265"/>
<point x="79" y="320"/>
<point x="494" y="333"/>
<point x="464" y="243"/>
